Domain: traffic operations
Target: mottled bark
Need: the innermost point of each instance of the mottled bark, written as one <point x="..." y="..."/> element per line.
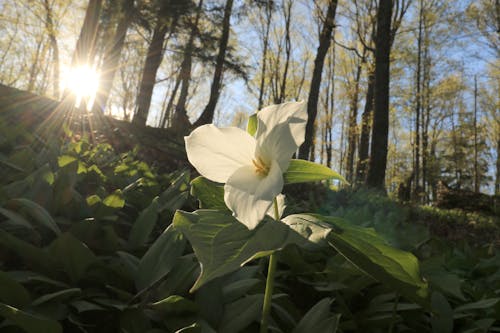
<point x="353" y="125"/>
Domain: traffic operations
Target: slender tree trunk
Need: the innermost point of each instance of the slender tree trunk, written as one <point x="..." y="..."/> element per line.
<point x="476" y="167"/>
<point x="112" y="56"/>
<point x="331" y="107"/>
<point x="418" y="104"/>
<point x="312" y="102"/>
<point x="264" y="53"/>
<point x="34" y="66"/>
<point x="497" y="176"/>
<point x="180" y="120"/>
<point x="364" y="140"/>
<point x="207" y="115"/>
<point x="49" y="23"/>
<point x="288" y="47"/>
<point x="153" y="61"/>
<point x="353" y="125"/>
<point x="378" y="160"/>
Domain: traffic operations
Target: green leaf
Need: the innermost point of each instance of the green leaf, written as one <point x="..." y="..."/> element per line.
<point x="301" y="171"/>
<point x="114" y="200"/>
<point x="222" y="244"/>
<point x="370" y="253"/>
<point x="252" y="124"/>
<point x="143" y="226"/>
<point x="442" y="316"/>
<point x="15" y="218"/>
<point x="74" y="255"/>
<point x="479" y="305"/>
<point x="60" y="296"/>
<point x="174" y="305"/>
<point x="38" y="258"/>
<point x="209" y="194"/>
<point x="37" y="212"/>
<point x="240" y="314"/>
<point x="28" y="322"/>
<point x="12" y="292"/>
<point x="160" y="258"/>
<point x="318" y="319"/>
<point x="65" y="160"/>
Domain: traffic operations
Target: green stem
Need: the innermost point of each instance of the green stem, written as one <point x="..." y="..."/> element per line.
<point x="273" y="260"/>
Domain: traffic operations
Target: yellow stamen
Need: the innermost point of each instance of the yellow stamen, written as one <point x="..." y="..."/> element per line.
<point x="260" y="167"/>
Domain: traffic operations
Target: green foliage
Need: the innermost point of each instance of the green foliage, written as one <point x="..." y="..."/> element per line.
<point x="86" y="244"/>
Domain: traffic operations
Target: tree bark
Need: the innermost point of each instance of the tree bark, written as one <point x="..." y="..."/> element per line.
<point x="378" y="160"/>
<point x="366" y="125"/>
<point x="207" y="115"/>
<point x="312" y="102"/>
<point x="112" y="56"/>
<point x="153" y="61"/>
<point x="88" y="35"/>
<point x="180" y="120"/>
<point x="264" y="53"/>
<point x="353" y="126"/>
<point x="418" y="104"/>
<point x="49" y="24"/>
<point x="288" y="48"/>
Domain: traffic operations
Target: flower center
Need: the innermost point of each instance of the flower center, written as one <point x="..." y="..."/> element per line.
<point x="261" y="168"/>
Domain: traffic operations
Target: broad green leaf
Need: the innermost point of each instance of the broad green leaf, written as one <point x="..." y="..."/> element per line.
<point x="160" y="258"/>
<point x="252" y="124"/>
<point x="240" y="314"/>
<point x="37" y="212"/>
<point x="143" y="226"/>
<point x="174" y="305"/>
<point x="209" y="194"/>
<point x="65" y="160"/>
<point x="442" y="316"/>
<point x="15" y="218"/>
<point x="370" y="253"/>
<point x="301" y="171"/>
<point x="479" y="305"/>
<point x="59" y="297"/>
<point x="114" y="200"/>
<point x="28" y="322"/>
<point x="318" y="319"/>
<point x="38" y="258"/>
<point x="73" y="255"/>
<point x="12" y="292"/>
<point x="222" y="244"/>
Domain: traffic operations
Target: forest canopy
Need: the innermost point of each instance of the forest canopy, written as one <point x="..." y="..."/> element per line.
<point x="180" y="64"/>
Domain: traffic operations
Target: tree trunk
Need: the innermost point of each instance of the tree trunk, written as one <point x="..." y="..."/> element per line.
<point x="153" y="61"/>
<point x="418" y="105"/>
<point x="366" y="125"/>
<point x="353" y="126"/>
<point x="88" y="35"/>
<point x="378" y="160"/>
<point x="207" y="115"/>
<point x="112" y="56"/>
<point x="312" y="102"/>
<point x="497" y="176"/>
<point x="49" y="24"/>
<point x="288" y="48"/>
<point x="180" y="120"/>
<point x="264" y="53"/>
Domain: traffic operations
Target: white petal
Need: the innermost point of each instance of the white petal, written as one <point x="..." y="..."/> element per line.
<point x="295" y="113"/>
<point x="217" y="153"/>
<point x="249" y="195"/>
<point x="278" y="144"/>
<point x="280" y="199"/>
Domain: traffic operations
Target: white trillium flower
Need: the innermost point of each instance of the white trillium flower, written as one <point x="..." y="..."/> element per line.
<point x="251" y="167"/>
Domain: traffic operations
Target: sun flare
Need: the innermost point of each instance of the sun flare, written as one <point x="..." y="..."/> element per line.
<point x="83" y="82"/>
